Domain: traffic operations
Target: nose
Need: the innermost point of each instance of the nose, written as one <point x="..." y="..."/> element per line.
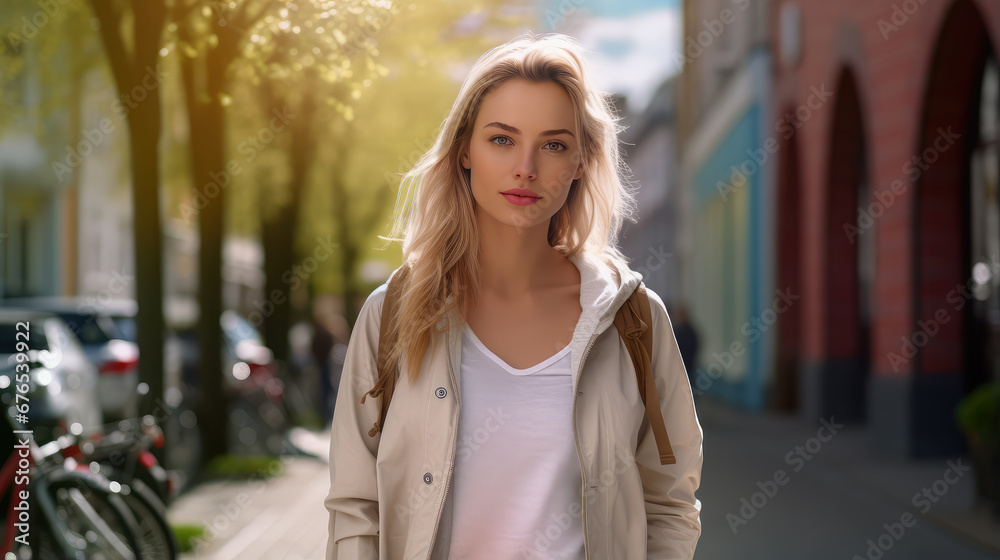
<point x="525" y="168"/>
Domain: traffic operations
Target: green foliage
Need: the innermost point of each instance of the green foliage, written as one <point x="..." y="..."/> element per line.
<point x="978" y="415"/>
<point x="240" y="466"/>
<point x="187" y="534"/>
<point x="310" y="419"/>
<point x="46" y="49"/>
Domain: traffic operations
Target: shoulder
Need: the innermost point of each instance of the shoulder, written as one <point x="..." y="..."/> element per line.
<point x="656" y="306"/>
<point x="369" y="319"/>
<point x="663" y="327"/>
<point x="370" y="314"/>
<point x="373" y="303"/>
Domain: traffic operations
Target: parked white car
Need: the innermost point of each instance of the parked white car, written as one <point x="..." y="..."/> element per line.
<point x="63" y="387"/>
<point x="97" y="324"/>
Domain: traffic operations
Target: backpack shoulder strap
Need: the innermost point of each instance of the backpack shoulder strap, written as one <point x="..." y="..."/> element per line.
<point x="634" y="322"/>
<point x="387" y="377"/>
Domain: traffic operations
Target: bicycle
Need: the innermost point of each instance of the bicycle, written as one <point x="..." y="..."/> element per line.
<point x="123" y="456"/>
<point x="125" y="448"/>
<point x="92" y="492"/>
<point x="82" y="516"/>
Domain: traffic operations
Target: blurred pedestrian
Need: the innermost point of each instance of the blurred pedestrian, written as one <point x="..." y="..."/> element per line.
<point x="341" y="336"/>
<point x="322" y="344"/>
<point x="687" y="340"/>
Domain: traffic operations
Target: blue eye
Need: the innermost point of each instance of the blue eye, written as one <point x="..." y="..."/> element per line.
<point x="507" y="143"/>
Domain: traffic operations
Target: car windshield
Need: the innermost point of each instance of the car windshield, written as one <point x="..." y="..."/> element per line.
<point x="9" y="338"/>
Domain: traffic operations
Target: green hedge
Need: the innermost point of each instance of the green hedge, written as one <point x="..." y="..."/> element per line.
<point x="978" y="415"/>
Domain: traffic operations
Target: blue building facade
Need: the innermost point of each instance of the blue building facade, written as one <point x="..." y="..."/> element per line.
<point x="730" y="223"/>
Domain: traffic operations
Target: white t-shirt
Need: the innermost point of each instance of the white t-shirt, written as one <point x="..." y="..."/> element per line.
<point x="517" y="482"/>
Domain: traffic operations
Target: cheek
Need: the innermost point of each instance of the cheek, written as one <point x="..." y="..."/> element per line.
<point x="484" y="163"/>
<point x="558" y="172"/>
<point x="483" y="172"/>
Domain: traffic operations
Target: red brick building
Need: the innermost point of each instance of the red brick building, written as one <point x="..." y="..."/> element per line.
<point x="887" y="214"/>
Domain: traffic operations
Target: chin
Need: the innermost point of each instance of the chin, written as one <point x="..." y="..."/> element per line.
<point x="523" y="217"/>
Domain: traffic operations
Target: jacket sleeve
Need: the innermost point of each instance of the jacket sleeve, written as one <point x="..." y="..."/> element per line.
<point x="673" y="513"/>
<point x="353" y="498"/>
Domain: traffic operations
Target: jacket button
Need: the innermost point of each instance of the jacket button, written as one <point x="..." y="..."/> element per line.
<point x="440" y="392"/>
<point x="428" y="478"/>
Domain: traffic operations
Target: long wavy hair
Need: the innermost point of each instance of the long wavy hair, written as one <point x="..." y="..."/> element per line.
<point x="436" y="211"/>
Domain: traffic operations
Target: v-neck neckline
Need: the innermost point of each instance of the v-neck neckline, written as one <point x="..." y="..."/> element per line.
<point x="507" y="367"/>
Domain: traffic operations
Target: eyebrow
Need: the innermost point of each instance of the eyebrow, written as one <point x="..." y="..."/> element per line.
<point x="513" y="130"/>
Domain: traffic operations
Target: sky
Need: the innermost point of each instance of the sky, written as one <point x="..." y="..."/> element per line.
<point x="631" y="44"/>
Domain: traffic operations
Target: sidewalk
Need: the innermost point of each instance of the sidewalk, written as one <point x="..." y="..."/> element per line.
<point x="845" y="501"/>
<point x="791" y="490"/>
<point x="256" y="518"/>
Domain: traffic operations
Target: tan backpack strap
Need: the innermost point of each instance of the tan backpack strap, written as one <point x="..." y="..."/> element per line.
<point x="386" y="383"/>
<point x="634" y="322"/>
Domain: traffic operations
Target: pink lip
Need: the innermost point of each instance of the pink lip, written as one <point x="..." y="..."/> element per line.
<point x="520" y="200"/>
<point x="520" y="197"/>
<point x="521" y="192"/>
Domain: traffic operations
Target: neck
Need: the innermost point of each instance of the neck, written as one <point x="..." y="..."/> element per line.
<point x="515" y="260"/>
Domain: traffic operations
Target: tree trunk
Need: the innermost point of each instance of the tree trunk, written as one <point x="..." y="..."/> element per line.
<point x="350" y="237"/>
<point x="211" y="224"/>
<point x="204" y="79"/>
<point x="206" y="121"/>
<point x="278" y="238"/>
<point x="141" y="99"/>
<point x="144" y="129"/>
<point x="278" y="228"/>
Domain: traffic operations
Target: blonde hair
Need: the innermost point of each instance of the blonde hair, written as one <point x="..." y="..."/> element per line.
<point x="435" y="208"/>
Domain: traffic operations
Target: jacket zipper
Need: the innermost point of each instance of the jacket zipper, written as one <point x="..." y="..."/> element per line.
<point x="579" y="455"/>
<point x="454" y="441"/>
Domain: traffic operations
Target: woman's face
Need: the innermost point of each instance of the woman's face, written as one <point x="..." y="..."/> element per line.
<point x="524" y="137"/>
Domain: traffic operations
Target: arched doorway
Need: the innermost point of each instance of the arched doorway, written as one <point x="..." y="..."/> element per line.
<point x="956" y="232"/>
<point x="839" y="387"/>
<point x="785" y="386"/>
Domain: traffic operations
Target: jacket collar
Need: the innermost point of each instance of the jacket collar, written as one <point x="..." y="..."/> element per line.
<point x="604" y="288"/>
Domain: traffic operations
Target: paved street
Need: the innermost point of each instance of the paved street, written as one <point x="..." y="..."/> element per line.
<point x="824" y="501"/>
<point x="832" y="498"/>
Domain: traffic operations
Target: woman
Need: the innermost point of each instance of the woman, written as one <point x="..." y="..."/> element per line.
<point x="516" y="429"/>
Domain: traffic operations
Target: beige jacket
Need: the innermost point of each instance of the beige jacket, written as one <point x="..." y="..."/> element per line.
<point x="388" y="496"/>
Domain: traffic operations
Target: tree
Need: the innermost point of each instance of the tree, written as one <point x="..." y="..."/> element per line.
<point x="333" y="69"/>
<point x="131" y="33"/>
<point x="212" y="36"/>
<point x="209" y="36"/>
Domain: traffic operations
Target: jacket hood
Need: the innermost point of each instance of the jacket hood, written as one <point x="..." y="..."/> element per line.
<point x="604" y="287"/>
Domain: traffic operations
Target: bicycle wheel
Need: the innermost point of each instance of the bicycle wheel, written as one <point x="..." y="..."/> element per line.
<point x="81" y="519"/>
<point x="156" y="539"/>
